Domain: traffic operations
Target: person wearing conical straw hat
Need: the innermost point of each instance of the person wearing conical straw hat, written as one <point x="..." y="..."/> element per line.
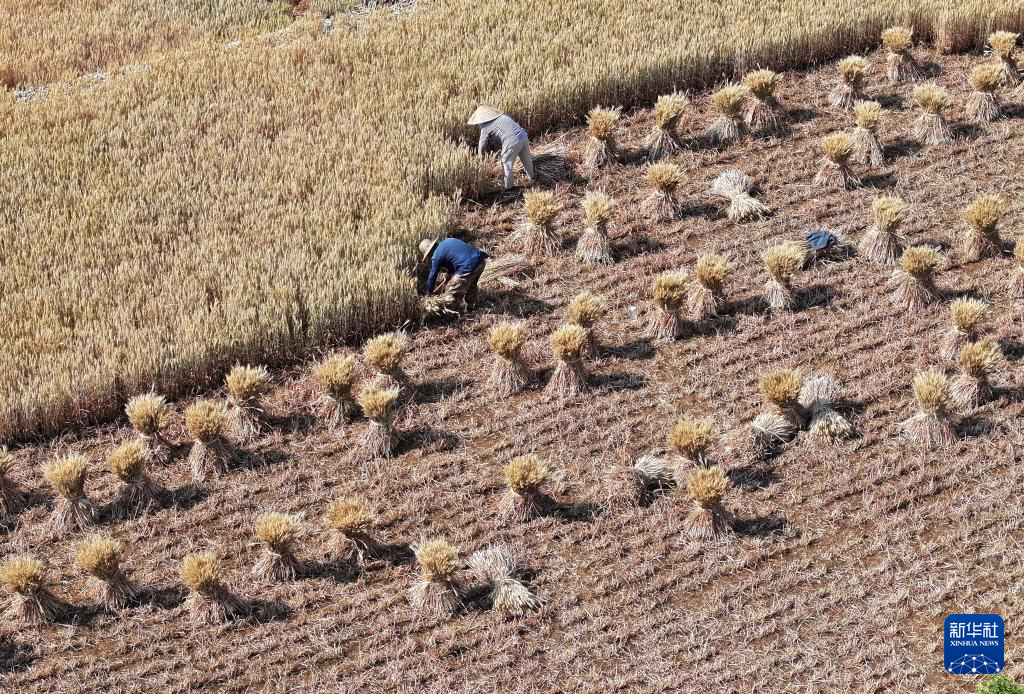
<point x="515" y="143"/>
<point x="462" y="262"/>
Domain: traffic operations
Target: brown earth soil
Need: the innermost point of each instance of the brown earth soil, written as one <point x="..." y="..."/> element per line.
<point x="847" y="558"/>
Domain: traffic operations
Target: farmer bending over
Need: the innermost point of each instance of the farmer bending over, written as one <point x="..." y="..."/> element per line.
<point x="514" y="140"/>
<point x="462" y="262"/>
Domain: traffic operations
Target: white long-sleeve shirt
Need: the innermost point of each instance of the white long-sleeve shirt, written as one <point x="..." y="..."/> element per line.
<point x="505" y="129"/>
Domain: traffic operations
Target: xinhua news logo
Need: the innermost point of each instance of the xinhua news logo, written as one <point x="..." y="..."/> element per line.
<point x="973" y="644"/>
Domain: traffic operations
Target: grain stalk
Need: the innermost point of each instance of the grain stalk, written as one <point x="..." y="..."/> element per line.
<point x="25" y="577"/>
<point x="631" y="485"/>
<point x="437" y="592"/>
<point x="966" y="318"/>
<point x="510" y="374"/>
<point x="835" y="172"/>
<point x="736" y="188"/>
<point x="497" y="568"/>
<point x="277" y="532"/>
<point x="867" y="147"/>
<point x="853" y="72"/>
<point x="818" y="396"/>
<point x="602" y="148"/>
<point x="932" y="425"/>
<point x="931" y="126"/>
<point x="569" y="378"/>
<point x="668" y="321"/>
<point x="586" y="310"/>
<point x="709" y="520"/>
<point x="524" y="498"/>
<point x="248" y="387"/>
<point x="706" y="294"/>
<point x="983" y="103"/>
<point x="128" y="463"/>
<point x="12" y="498"/>
<point x="883" y="243"/>
<point x="781" y="263"/>
<point x="979" y="362"/>
<point x="67" y="477"/>
<point x="900" y="63"/>
<point x="764" y="114"/>
<point x="336" y="376"/>
<point x="99" y="557"/>
<point x="982" y="236"/>
<point x="211" y="452"/>
<point x="353" y="518"/>
<point x="663" y="139"/>
<point x="593" y="246"/>
<point x="728" y="127"/>
<point x="536" y="231"/>
<point x="663" y="203"/>
<point x="912" y="285"/>
<point x="209" y="601"/>
<point x="377" y="400"/>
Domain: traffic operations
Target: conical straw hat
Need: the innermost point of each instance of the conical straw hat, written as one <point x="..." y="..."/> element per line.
<point x="483" y="114"/>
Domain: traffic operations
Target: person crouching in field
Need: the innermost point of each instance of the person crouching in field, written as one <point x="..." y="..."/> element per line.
<point x="462" y="262"/>
<point x="514" y="140"/>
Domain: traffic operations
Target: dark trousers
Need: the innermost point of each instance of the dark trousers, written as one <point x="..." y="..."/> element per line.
<point x="462" y="289"/>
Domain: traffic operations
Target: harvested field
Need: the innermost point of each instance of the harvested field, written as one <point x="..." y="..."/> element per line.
<point x="123" y="204"/>
<point x="846" y="558"/>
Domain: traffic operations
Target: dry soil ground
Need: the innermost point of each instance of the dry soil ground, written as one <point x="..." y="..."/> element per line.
<point x="847" y="560"/>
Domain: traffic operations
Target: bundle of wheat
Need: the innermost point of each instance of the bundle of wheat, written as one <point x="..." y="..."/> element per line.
<point x="818" y="396"/>
<point x="691" y="439"/>
<point x="536" y="231"/>
<point x="384" y="353"/>
<point x="668" y="322"/>
<point x="932" y="425"/>
<point x="99" y="556"/>
<point x="736" y="187"/>
<point x="504" y="269"/>
<point x="900" y="65"/>
<point x="510" y="374"/>
<point x="593" y="246"/>
<point x="663" y="203"/>
<point x="982" y="238"/>
<point x="585" y="310"/>
<point x="663" y="140"/>
<point x="853" y="71"/>
<point x="25" y="576"/>
<point x="835" y="172"/>
<point x="248" y="386"/>
<point x="882" y="243"/>
<point x="67" y="476"/>
<point x="729" y="102"/>
<point x="277" y="532"/>
<point x="11" y="496"/>
<point x="1004" y="47"/>
<point x="983" y="103"/>
<point x="931" y="126"/>
<point x="524" y="498"/>
<point x="966" y="316"/>
<point x="765" y="113"/>
<point x="631" y="485"/>
<point x="569" y="378"/>
<point x="128" y="463"/>
<point x="149" y="415"/>
<point x="979" y="362"/>
<point x="709" y="520"/>
<point x="781" y="262"/>
<point x="867" y="148"/>
<point x="336" y="375"/>
<point x="209" y="599"/>
<point x="602" y="148"/>
<point x="437" y="591"/>
<point x="781" y="391"/>
<point x="211" y="451"/>
<point x="497" y="568"/>
<point x="912" y="285"/>
<point x="707" y="292"/>
<point x="769" y="431"/>
<point x="353" y="517"/>
<point x="377" y="400"/>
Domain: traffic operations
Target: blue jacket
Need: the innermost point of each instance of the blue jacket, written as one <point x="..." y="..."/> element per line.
<point x="454" y="257"/>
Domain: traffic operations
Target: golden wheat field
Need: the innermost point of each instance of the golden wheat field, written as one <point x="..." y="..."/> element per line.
<point x="257" y="201"/>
